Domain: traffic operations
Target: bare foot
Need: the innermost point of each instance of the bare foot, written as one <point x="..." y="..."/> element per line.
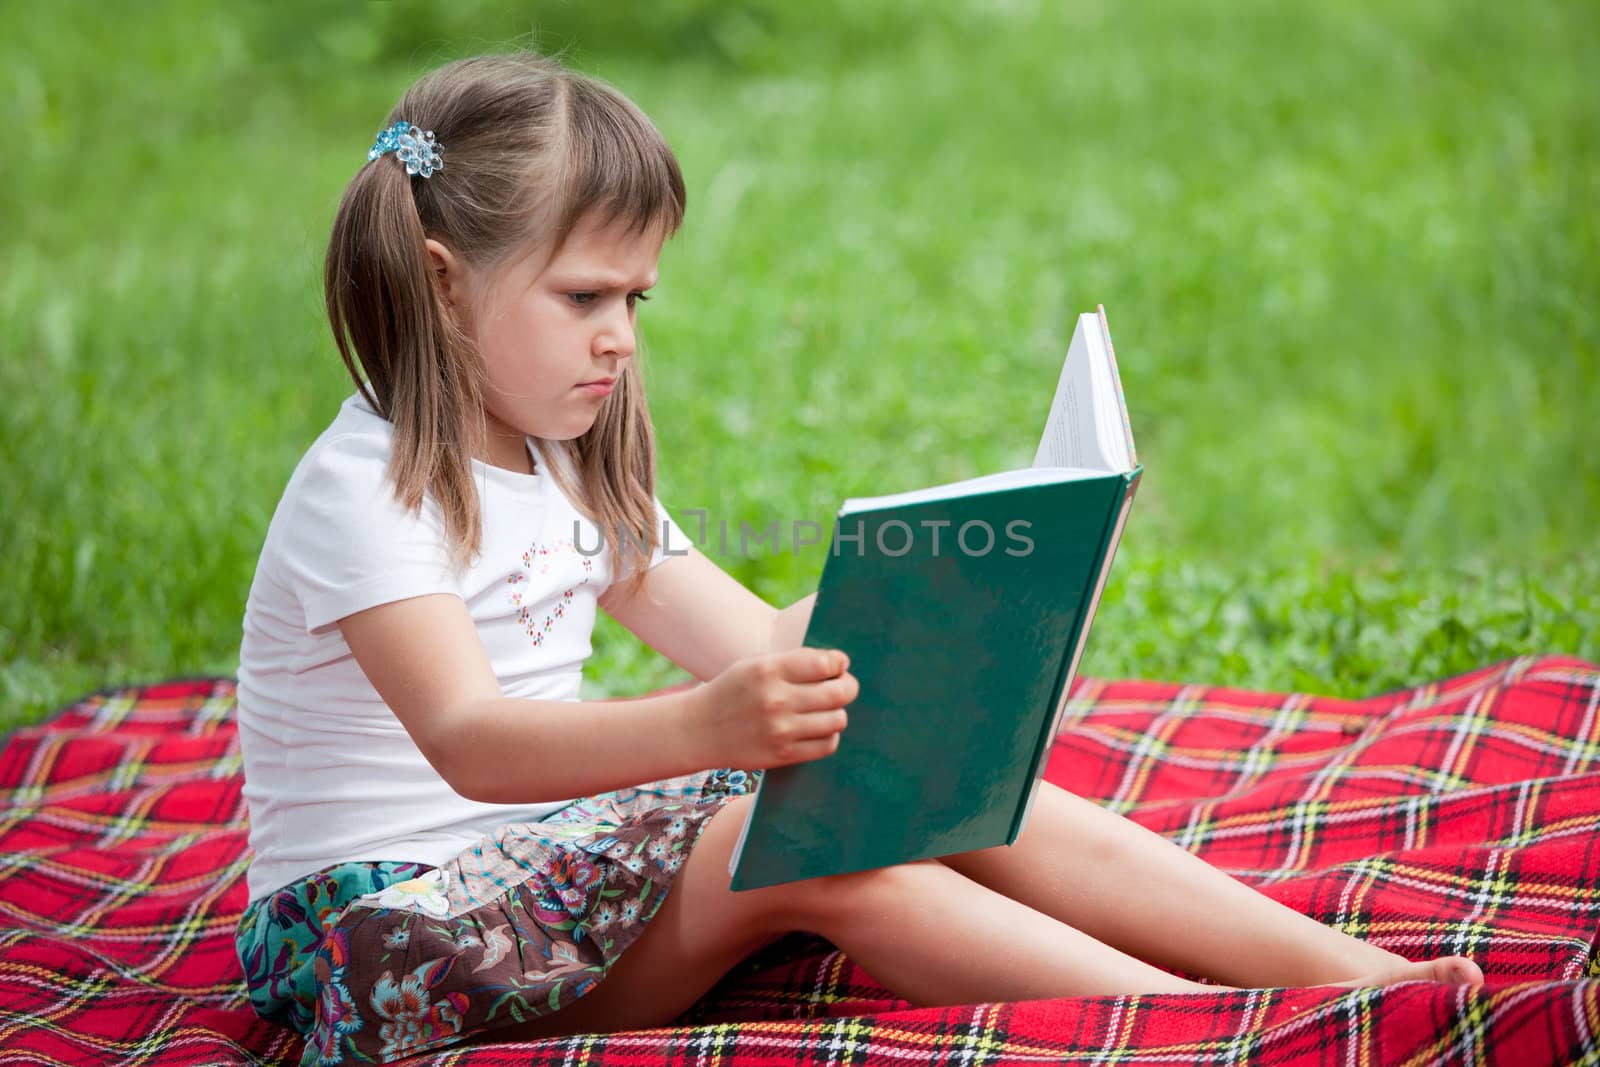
<point x="1453" y="970"/>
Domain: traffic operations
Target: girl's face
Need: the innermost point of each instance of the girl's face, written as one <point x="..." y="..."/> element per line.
<point x="549" y="324"/>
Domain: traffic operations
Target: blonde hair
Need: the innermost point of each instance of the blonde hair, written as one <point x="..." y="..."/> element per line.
<point x="530" y="150"/>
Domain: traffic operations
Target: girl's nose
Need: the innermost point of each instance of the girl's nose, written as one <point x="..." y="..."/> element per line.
<point x="616" y="336"/>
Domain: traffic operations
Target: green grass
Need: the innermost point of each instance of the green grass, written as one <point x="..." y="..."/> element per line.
<point x="1349" y="254"/>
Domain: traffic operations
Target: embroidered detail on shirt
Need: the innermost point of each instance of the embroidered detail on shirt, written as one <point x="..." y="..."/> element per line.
<point x="539" y="558"/>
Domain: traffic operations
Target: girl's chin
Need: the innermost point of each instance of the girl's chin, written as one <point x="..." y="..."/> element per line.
<point x="573" y="428"/>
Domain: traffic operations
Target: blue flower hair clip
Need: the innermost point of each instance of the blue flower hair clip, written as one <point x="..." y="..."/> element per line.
<point x="412" y="145"/>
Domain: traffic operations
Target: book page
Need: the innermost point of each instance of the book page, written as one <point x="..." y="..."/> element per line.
<point x="1070" y="438"/>
<point x="1088" y="421"/>
<point x="744" y="831"/>
<point x="1114" y="431"/>
<point x="988" y="483"/>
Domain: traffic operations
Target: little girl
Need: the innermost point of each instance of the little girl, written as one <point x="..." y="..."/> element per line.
<point x="448" y="844"/>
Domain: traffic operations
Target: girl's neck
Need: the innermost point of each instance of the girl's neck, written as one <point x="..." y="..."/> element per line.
<point x="505" y="446"/>
<point x="510" y="452"/>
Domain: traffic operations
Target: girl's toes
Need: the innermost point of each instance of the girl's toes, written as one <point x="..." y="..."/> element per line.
<point x="1458" y="970"/>
<point x="1452" y="970"/>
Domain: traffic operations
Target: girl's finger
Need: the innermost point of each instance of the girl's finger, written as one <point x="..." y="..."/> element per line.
<point x="813" y="664"/>
<point x="830" y="693"/>
<point x="816" y="749"/>
<point x="824" y="723"/>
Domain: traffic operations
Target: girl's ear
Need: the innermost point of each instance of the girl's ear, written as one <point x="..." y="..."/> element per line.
<point x="450" y="271"/>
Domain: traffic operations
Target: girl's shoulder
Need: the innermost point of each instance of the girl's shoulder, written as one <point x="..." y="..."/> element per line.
<point x="355" y="428"/>
<point x="339" y="540"/>
<point x="351" y="452"/>
<point x="342" y="479"/>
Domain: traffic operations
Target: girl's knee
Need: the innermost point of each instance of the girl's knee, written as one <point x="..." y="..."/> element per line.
<point x="721" y="832"/>
<point x="815" y="904"/>
<point x="824" y="901"/>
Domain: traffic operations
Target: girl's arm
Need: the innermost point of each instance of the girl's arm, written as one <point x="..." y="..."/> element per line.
<point x="424" y="658"/>
<point x="701" y="618"/>
<point x="789" y="628"/>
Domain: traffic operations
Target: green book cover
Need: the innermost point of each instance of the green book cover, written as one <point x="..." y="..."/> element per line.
<point x="964" y="609"/>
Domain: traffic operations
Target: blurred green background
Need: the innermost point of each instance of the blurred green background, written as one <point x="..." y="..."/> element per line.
<point x="1348" y="252"/>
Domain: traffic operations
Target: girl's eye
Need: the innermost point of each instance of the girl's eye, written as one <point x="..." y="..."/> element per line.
<point x="581" y="299"/>
<point x="634" y="298"/>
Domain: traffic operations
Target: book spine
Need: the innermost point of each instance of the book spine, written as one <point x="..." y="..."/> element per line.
<point x="1041" y="755"/>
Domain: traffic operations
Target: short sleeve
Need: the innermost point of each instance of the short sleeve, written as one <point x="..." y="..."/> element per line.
<point x="346" y="544"/>
<point x="672" y="541"/>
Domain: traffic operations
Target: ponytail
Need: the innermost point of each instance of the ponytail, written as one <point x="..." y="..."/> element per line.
<point x="387" y="312"/>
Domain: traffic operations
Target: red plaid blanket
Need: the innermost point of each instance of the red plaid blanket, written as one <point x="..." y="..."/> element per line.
<point x="1456" y="818"/>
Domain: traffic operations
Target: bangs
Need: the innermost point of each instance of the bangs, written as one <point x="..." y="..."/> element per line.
<point x="619" y="167"/>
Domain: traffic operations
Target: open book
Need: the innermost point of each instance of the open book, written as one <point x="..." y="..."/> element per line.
<point x="964" y="609"/>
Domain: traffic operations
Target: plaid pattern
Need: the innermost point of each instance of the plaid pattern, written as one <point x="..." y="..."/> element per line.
<point x="1459" y="817"/>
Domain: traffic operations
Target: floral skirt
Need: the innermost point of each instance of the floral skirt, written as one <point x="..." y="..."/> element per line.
<point x="377" y="961"/>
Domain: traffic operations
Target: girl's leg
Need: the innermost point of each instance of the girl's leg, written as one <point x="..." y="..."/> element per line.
<point x="928" y="933"/>
<point x="1132" y="888"/>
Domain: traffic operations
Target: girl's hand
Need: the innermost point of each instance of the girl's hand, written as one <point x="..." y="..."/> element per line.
<point x="774" y="708"/>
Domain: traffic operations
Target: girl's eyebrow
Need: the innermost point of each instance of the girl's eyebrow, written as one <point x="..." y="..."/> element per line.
<point x="601" y="282"/>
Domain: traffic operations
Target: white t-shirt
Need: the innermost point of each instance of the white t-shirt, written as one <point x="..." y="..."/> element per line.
<point x="330" y="775"/>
